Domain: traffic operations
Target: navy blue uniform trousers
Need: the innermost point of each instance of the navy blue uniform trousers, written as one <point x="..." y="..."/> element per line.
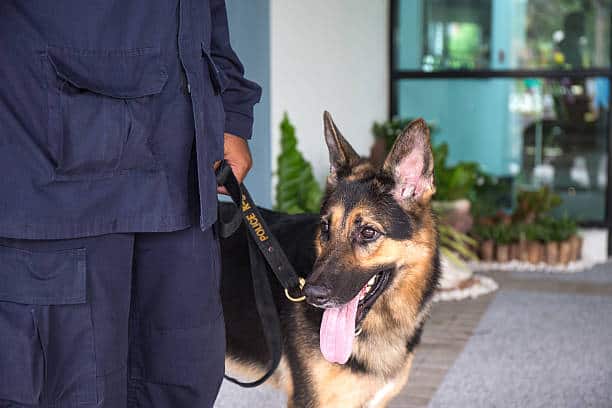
<point x="113" y="321"/>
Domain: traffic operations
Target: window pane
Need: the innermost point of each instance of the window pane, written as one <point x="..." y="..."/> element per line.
<point x="503" y="34"/>
<point x="528" y="132"/>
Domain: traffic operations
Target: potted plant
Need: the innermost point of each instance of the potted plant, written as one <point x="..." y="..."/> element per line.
<point x="566" y="228"/>
<point x="502" y="237"/>
<point x="576" y="243"/>
<point x="531" y="205"/>
<point x="484" y="234"/>
<point x="515" y="238"/>
<point x="551" y="244"/>
<point x="523" y="247"/>
<point x="534" y="234"/>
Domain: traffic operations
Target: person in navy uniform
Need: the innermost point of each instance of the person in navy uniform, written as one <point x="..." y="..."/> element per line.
<point x="113" y="114"/>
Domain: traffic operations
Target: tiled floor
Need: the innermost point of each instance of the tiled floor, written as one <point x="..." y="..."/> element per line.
<point x="452" y="323"/>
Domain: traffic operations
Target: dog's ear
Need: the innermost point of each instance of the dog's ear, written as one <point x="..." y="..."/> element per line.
<point x="341" y="153"/>
<point x="411" y="164"/>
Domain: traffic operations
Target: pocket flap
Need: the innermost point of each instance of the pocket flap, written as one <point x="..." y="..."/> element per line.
<point x="43" y="278"/>
<point x="217" y="75"/>
<point x="116" y="73"/>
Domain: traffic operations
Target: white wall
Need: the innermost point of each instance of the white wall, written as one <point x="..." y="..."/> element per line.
<point x="328" y="55"/>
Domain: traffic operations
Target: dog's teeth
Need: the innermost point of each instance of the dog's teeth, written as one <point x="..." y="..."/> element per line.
<point x="372" y="281"/>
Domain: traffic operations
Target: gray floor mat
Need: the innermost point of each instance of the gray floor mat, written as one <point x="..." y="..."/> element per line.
<point x="601" y="273"/>
<point x="233" y="396"/>
<point x="535" y="350"/>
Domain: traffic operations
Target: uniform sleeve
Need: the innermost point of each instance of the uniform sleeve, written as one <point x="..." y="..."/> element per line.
<point x="240" y="94"/>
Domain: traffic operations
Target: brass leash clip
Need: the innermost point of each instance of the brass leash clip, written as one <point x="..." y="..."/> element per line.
<point x="297" y="299"/>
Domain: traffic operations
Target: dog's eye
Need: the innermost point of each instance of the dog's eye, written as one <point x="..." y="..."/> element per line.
<point x="324" y="229"/>
<point x="368" y="234"/>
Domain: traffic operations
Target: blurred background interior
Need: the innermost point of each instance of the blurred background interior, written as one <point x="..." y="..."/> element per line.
<point x="517" y="94"/>
<point x="520" y="87"/>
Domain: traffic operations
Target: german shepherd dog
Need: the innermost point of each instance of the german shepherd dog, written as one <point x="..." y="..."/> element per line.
<point x="370" y="260"/>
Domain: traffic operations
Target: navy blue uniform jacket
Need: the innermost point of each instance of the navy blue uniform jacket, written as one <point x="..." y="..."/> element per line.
<point x="101" y="103"/>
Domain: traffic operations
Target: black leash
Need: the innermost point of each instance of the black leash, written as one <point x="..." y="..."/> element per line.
<point x="261" y="244"/>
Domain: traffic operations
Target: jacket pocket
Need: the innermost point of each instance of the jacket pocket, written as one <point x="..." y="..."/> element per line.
<point x="217" y="76"/>
<point x="46" y="347"/>
<point x="101" y="109"/>
<point x="212" y="105"/>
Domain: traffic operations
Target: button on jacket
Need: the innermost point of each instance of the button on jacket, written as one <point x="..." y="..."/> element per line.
<point x="101" y="104"/>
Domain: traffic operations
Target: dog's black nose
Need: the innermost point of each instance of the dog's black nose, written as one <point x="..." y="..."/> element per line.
<point x="317" y="295"/>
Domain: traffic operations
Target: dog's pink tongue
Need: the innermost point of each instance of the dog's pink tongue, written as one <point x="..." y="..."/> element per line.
<point x="338" y="331"/>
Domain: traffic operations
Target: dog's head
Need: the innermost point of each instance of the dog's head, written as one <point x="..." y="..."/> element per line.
<point x="377" y="231"/>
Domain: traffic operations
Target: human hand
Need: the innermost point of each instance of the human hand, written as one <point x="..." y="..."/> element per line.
<point x="237" y="154"/>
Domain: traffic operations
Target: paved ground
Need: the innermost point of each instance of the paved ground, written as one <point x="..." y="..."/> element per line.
<point x="452" y="324"/>
<point x="448" y="330"/>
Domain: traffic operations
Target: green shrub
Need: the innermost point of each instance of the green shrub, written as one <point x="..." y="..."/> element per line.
<point x="502" y="234"/>
<point x="297" y="190"/>
<point x="535" y="232"/>
<point x="515" y="231"/>
<point x="483" y="232"/>
<point x="532" y="205"/>
<point x="558" y="229"/>
<point x="566" y="227"/>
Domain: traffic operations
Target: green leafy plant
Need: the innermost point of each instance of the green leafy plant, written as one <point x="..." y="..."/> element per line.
<point x="483" y="232"/>
<point x="502" y="234"/>
<point x="490" y="195"/>
<point x="535" y="232"/>
<point x="456" y="245"/>
<point x="516" y="232"/>
<point x="456" y="181"/>
<point x="532" y="205"/>
<point x="562" y="228"/>
<point x="297" y="190"/>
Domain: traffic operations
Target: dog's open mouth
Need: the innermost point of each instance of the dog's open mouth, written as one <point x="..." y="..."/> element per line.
<point x="340" y="325"/>
<point x="368" y="295"/>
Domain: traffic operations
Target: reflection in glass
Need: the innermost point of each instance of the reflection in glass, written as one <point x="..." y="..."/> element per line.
<point x="456" y="34"/>
<point x="531" y="132"/>
<point x="507" y="34"/>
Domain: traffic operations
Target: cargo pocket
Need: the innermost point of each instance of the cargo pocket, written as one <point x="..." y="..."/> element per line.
<point x="191" y="358"/>
<point x="46" y="342"/>
<point x="101" y="107"/>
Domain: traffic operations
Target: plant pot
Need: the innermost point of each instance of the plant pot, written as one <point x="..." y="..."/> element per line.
<point x="455" y="213"/>
<point x="576" y="242"/>
<point x="515" y="251"/>
<point x="552" y="253"/>
<point x="565" y="252"/>
<point x="523" y="249"/>
<point x="486" y="250"/>
<point x="534" y="252"/>
<point x="502" y="253"/>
